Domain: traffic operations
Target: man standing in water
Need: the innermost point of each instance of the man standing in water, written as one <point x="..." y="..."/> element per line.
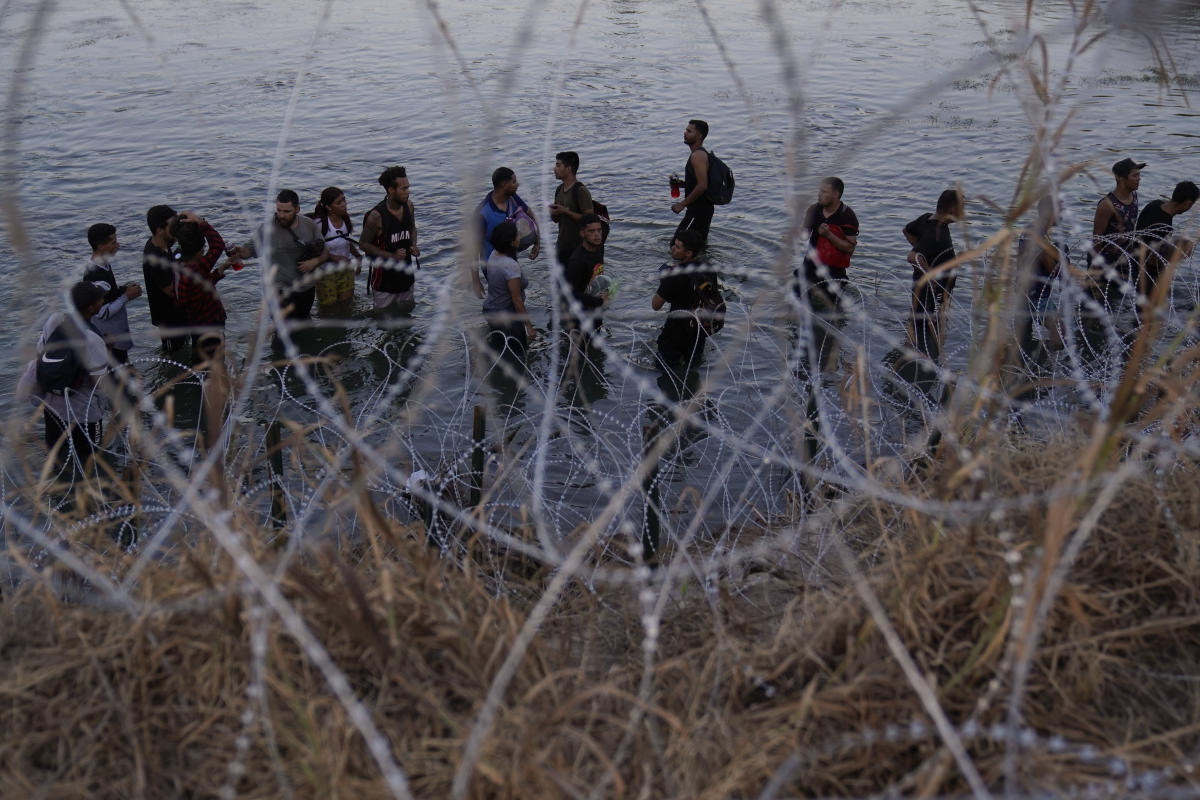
<point x="297" y="248"/>
<point x="158" y="267"/>
<point x="699" y="208"/>
<point x="572" y="201"/>
<point x="112" y="320"/>
<point x="390" y="233"/>
<point x="929" y="235"/>
<point x="832" y="236"/>
<point x="1114" y="226"/>
<point x="1156" y="229"/>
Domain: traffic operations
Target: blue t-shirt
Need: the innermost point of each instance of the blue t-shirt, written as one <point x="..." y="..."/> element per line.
<point x="491" y="216"/>
<point x="498" y="271"/>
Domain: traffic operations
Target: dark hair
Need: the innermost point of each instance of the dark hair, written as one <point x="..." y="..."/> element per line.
<point x="502" y="175"/>
<point x="569" y="158"/>
<point x="502" y="238"/>
<point x="321" y="212"/>
<point x="389" y="176"/>
<point x="190" y="238"/>
<point x="837" y="185"/>
<point x="288" y="196"/>
<point x="701" y="126"/>
<point x="1185" y="191"/>
<point x="587" y="219"/>
<point x="84" y="294"/>
<point x="159" y="217"/>
<point x="691" y="241"/>
<point x="100" y="233"/>
<point x="949" y="200"/>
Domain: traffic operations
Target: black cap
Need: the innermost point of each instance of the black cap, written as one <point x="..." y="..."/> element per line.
<point x="1126" y="166"/>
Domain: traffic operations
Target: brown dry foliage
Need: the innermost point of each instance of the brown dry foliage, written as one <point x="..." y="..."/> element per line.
<point x="99" y="703"/>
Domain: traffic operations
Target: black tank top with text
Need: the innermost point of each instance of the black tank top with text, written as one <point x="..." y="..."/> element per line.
<point x="394" y="235"/>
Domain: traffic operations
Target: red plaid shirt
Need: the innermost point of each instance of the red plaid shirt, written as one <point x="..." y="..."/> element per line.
<point x="194" y="289"/>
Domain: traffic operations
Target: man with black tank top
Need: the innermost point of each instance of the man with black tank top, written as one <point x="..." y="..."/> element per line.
<point x="699" y="208"/>
<point x="389" y="233"/>
<point x="1114" y="226"/>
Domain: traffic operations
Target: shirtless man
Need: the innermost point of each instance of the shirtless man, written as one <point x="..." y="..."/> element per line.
<point x="1114" y="225"/>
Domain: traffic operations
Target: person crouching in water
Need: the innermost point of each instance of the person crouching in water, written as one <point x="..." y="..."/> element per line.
<point x="504" y="297"/>
<point x="681" y="342"/>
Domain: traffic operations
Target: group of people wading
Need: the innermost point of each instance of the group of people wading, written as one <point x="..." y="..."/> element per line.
<point x="315" y="258"/>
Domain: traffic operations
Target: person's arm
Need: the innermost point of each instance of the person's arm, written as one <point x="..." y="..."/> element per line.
<point x="372" y="226"/>
<point x="310" y="264"/>
<point x="108" y="310"/>
<point x="412" y="246"/>
<point x="699" y="159"/>
<point x="514" y="289"/>
<point x="476" y="282"/>
<point x="657" y="302"/>
<point x="207" y="264"/>
<point x="845" y="243"/>
<point x="1105" y="212"/>
<point x="910" y="233"/>
<point x="565" y="216"/>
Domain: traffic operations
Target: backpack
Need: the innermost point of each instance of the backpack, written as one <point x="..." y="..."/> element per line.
<point x="600" y="210"/>
<point x="710" y="304"/>
<point x="720" y="180"/>
<point x="58" y="366"/>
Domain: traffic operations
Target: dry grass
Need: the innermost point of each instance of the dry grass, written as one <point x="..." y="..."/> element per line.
<point x="764" y="678"/>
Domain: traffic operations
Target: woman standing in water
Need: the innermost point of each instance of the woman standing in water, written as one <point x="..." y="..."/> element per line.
<point x="504" y="298"/>
<point x="336" y="288"/>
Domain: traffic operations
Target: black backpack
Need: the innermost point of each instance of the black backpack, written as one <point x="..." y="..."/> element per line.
<point x="710" y="304"/>
<point x="600" y="210"/>
<point x="58" y="367"/>
<point x="720" y="180"/>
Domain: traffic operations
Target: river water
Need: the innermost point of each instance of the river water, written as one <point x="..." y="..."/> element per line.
<point x="115" y="108"/>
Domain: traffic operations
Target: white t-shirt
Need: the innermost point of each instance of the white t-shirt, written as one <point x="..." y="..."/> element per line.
<point x="337" y="240"/>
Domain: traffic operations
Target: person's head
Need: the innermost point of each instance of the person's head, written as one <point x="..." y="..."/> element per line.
<point x="332" y="199"/>
<point x="158" y="218"/>
<point x="394" y="181"/>
<point x="1128" y="173"/>
<point x="830" y="192"/>
<point x="950" y="203"/>
<point x="87" y="298"/>
<point x="190" y="239"/>
<point x="504" y="180"/>
<point x="686" y="246"/>
<point x="505" y="238"/>
<point x="287" y="206"/>
<point x="566" y="163"/>
<point x="103" y="239"/>
<point x="1186" y="194"/>
<point x="592" y="230"/>
<point x="696" y="132"/>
